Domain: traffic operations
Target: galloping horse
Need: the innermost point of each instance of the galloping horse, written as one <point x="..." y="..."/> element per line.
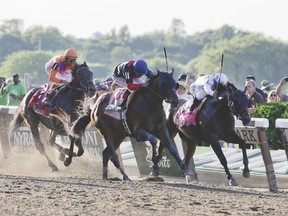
<point x="68" y="101"/>
<point x="214" y="121"/>
<point x="145" y="117"/>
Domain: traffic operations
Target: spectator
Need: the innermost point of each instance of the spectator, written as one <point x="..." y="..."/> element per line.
<point x="3" y="97"/>
<point x="251" y="77"/>
<point x="254" y="98"/>
<point x="182" y="77"/>
<point x="266" y="86"/>
<point x="108" y="82"/>
<point x="272" y="97"/>
<point x="97" y="82"/>
<point x="15" y="91"/>
<point x="101" y="89"/>
<point x="181" y="91"/>
<point x="279" y="90"/>
<point x="189" y="80"/>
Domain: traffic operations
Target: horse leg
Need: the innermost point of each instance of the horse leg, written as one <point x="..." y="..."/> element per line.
<point x="218" y="151"/>
<point x="106" y="156"/>
<point x="51" y="141"/>
<point x="68" y="160"/>
<point x="40" y="145"/>
<point x="189" y="151"/>
<point x="172" y="149"/>
<point x="78" y="143"/>
<point x="234" y="138"/>
<point x="142" y="135"/>
<point x="114" y="157"/>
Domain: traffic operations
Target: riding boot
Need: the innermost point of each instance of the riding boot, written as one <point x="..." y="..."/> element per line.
<point x="195" y="104"/>
<point x="47" y="100"/>
<point x="123" y="106"/>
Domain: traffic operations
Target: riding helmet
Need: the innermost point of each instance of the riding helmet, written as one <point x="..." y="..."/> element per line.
<point x="70" y="53"/>
<point x="221" y="78"/>
<point x="140" y="67"/>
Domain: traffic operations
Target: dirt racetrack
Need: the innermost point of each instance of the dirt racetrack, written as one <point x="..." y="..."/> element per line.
<point x="27" y="187"/>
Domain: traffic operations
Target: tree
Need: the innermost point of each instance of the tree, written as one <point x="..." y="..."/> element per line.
<point x="12" y="27"/>
<point x="32" y="62"/>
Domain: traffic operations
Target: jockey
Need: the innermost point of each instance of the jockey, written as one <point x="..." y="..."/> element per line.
<point x="59" y="71"/>
<point x="206" y="85"/>
<point x="129" y="74"/>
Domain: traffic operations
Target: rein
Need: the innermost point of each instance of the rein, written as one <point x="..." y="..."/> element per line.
<point x="232" y="107"/>
<point x="80" y="88"/>
<point x="155" y="93"/>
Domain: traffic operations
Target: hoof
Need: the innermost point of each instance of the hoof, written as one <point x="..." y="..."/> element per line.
<point x="155" y="173"/>
<point x="233" y="182"/>
<point x="189" y="172"/>
<point x="191" y="178"/>
<point x="156" y="179"/>
<point x="246" y="173"/>
<point x="65" y="151"/>
<point x="62" y="157"/>
<point x="126" y="178"/>
<point x="67" y="162"/>
<point x="105" y="173"/>
<point x="54" y="168"/>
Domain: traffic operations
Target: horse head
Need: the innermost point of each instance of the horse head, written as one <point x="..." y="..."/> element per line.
<point x="83" y="79"/>
<point x="164" y="85"/>
<point x="238" y="103"/>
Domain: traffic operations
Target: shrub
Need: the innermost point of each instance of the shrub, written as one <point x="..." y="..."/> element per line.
<point x="272" y="111"/>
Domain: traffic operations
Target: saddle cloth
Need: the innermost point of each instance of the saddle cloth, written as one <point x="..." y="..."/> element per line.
<point x="115" y="100"/>
<point x="184" y="117"/>
<point x="36" y="100"/>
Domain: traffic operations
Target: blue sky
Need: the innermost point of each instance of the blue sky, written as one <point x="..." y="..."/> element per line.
<point x="83" y="18"/>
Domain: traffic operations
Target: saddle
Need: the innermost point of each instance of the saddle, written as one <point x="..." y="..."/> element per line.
<point x="36" y="100"/>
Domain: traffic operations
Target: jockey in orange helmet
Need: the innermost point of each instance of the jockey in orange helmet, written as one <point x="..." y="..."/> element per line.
<point x="59" y="70"/>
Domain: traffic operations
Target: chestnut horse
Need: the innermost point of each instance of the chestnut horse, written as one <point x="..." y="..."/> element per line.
<point x="145" y="119"/>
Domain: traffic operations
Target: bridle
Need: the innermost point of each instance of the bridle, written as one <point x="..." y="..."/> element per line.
<point x="83" y="86"/>
<point x="160" y="94"/>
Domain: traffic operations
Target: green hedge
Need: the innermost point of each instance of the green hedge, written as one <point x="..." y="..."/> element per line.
<point x="272" y="111"/>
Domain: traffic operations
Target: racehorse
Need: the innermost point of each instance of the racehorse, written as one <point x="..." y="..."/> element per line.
<point x="214" y="121"/>
<point x="145" y="118"/>
<point x="68" y="100"/>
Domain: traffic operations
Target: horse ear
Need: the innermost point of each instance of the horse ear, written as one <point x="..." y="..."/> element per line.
<point x="158" y="71"/>
<point x="232" y="87"/>
<point x="85" y="63"/>
<point x="172" y="71"/>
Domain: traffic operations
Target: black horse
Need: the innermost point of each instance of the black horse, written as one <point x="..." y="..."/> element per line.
<point x="69" y="101"/>
<point x="214" y="121"/>
<point x="146" y="121"/>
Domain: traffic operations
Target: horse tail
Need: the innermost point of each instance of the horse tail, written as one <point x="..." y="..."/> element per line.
<point x="16" y="122"/>
<point x="80" y="125"/>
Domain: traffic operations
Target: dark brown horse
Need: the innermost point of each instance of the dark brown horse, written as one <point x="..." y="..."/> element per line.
<point x="69" y="101"/>
<point x="146" y="121"/>
<point x="215" y="121"/>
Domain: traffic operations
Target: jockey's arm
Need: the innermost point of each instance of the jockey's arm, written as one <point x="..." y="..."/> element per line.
<point x="208" y="90"/>
<point x="53" y="78"/>
<point x="132" y="86"/>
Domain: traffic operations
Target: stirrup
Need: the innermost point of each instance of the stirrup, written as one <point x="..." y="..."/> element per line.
<point x="120" y="108"/>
